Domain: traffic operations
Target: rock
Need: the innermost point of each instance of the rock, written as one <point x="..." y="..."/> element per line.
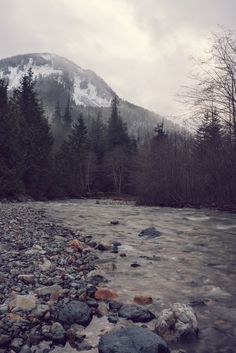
<point x="135" y="313"/>
<point x="135" y="264"/>
<point x="102" y="309"/>
<point x="17" y="343"/>
<point x="142" y="300"/>
<point x="103" y="246"/>
<point x="26" y="278"/>
<point x="114" y="305"/>
<point x="105" y="294"/>
<point x="58" y="333"/>
<point x="74" y="312"/>
<point x="123" y="254"/>
<point x="132" y="340"/>
<point x="114" y="223"/>
<point x="25" y="349"/>
<point x="151" y="232"/>
<point x="75" y="245"/>
<point x="177" y="322"/>
<point x="5" y="340"/>
<point x="41" y="310"/>
<point x="23" y="302"/>
<point x="43" y="291"/>
<point x="45" y="266"/>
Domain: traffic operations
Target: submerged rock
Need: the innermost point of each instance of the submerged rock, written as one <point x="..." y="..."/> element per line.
<point x="151" y="232"/>
<point x="75" y="312"/>
<point x="142" y="300"/>
<point x="105" y="294"/>
<point x="177" y="322"/>
<point x="132" y="340"/>
<point x="135" y="313"/>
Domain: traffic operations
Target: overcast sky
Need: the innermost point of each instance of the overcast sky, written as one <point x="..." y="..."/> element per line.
<point x="141" y="48"/>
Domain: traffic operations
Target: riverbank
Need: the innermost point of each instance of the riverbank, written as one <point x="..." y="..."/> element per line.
<point x="50" y="290"/>
<point x="56" y="253"/>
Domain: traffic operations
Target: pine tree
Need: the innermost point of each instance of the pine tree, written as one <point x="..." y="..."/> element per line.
<point x="207" y="149"/>
<point x="117" y="134"/>
<point x="37" y="138"/>
<point x="71" y="161"/>
<point x="11" y="158"/>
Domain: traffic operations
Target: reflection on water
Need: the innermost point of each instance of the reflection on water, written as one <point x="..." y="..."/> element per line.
<point x="192" y="261"/>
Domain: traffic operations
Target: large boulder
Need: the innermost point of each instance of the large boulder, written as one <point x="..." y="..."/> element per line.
<point x="177" y="322"/>
<point x="151" y="232"/>
<point x="132" y="339"/>
<point x="74" y="312"/>
<point x="135" y="313"/>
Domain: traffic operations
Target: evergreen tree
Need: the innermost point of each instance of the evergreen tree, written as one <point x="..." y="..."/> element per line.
<point x="207" y="149"/>
<point x="58" y="127"/>
<point x="37" y="138"/>
<point x="67" y="118"/>
<point x="117" y="134"/>
<point x="71" y="161"/>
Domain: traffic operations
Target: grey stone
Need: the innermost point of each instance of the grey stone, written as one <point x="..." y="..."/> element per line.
<point x="151" y="232"/>
<point x="132" y="339"/>
<point x="74" y="312"/>
<point x="135" y="313"/>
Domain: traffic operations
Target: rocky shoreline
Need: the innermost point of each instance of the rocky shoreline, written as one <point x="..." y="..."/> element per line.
<point x="50" y="291"/>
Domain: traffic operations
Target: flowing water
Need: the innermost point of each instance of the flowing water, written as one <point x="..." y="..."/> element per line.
<point x="194" y="260"/>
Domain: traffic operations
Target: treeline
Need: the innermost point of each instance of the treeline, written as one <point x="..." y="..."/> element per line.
<point x="76" y="160"/>
<point x="73" y="161"/>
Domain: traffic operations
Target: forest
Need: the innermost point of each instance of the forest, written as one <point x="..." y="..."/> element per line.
<point x="72" y="160"/>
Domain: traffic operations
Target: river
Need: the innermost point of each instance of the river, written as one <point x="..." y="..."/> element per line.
<point x="193" y="261"/>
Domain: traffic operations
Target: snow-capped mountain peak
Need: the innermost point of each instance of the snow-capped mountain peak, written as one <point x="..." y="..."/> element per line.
<point x="84" y="86"/>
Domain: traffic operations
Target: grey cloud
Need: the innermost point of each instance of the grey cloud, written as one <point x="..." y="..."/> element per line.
<point x="141" y="49"/>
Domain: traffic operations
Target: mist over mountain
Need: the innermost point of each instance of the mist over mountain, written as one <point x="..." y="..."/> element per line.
<point x="58" y="79"/>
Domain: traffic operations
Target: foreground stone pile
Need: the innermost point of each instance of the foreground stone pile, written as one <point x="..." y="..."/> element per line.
<point x="50" y="291"/>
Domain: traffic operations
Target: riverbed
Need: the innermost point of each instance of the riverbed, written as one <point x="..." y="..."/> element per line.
<point x="192" y="261"/>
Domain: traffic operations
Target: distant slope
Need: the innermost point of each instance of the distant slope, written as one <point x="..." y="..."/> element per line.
<point x="59" y="78"/>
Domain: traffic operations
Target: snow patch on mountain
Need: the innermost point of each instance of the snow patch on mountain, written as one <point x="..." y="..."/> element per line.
<point x="15" y="74"/>
<point x="85" y="93"/>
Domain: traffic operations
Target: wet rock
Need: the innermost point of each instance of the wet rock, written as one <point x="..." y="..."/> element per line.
<point x="114" y="305"/>
<point x="142" y="300"/>
<point x="102" y="309"/>
<point x="105" y="294"/>
<point x="151" y="232"/>
<point x="23" y="302"/>
<point x="135" y="313"/>
<point x="114" y="223"/>
<point x="123" y="254"/>
<point x="75" y="244"/>
<point x="132" y="340"/>
<point x="177" y="322"/>
<point x="73" y="312"/>
<point x="103" y="246"/>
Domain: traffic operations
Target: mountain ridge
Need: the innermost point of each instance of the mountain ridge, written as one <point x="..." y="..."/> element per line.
<point x="59" y="78"/>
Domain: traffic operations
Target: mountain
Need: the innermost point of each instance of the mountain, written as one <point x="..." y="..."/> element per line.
<point x="58" y="78"/>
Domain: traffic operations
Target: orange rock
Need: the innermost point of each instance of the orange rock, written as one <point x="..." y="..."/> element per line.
<point x="142" y="300"/>
<point x="105" y="294"/>
<point x="54" y="296"/>
<point x="75" y="244"/>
